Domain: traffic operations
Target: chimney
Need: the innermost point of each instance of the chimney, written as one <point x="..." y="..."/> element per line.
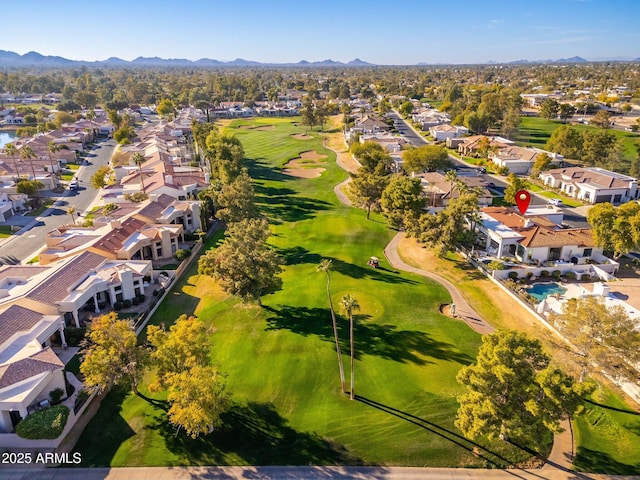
<point x="168" y="179"/>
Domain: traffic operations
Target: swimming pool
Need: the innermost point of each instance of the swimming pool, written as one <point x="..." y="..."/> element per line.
<point x="540" y="291"/>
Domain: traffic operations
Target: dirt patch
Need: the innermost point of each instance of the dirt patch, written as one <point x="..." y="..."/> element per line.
<point x="307" y="165"/>
<point x="246" y="127"/>
<point x="301" y="136"/>
<point x="265" y="128"/>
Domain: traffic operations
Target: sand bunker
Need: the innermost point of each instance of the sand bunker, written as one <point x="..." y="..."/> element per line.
<point x="261" y="128"/>
<point x="301" y="136"/>
<point x="307" y="165"/>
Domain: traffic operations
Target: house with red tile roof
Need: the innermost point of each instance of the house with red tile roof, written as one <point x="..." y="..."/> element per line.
<point x="534" y="238"/>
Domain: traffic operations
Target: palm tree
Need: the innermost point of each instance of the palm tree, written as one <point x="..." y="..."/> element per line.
<point x="349" y="305"/>
<point x="27" y="153"/>
<point x="325" y="266"/>
<point x="53" y="147"/>
<point x="11" y="150"/>
<point x="451" y="176"/>
<point x="71" y="211"/>
<point x="139" y="159"/>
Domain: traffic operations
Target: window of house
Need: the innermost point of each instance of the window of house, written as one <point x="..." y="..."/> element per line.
<point x="587" y="252"/>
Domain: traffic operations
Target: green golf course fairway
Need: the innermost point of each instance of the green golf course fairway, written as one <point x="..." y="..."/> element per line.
<point x="280" y="360"/>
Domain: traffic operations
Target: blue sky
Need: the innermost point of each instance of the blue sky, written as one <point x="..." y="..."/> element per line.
<point x="391" y="32"/>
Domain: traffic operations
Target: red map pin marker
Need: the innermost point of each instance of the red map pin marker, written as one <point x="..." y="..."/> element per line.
<point x="523" y="198"/>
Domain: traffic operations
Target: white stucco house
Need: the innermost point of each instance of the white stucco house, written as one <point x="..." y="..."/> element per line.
<point x="592" y="184"/>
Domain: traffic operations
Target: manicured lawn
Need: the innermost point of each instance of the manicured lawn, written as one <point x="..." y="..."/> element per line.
<point x="281" y="361"/>
<point x="41" y="209"/>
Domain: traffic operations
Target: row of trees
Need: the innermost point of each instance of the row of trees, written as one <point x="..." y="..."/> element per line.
<point x="179" y="359"/>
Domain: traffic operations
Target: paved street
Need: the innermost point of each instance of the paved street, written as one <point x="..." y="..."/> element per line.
<point x="25" y="243"/>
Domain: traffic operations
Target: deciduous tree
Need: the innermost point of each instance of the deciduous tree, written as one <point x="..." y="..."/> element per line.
<point x="549" y="109"/>
<point x="365" y="190"/>
<point x="112" y="355"/>
<point x="427" y="158"/>
<point x="515" y="184"/>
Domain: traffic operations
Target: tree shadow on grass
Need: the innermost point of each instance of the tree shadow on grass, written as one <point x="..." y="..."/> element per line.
<point x="259" y="169"/>
<point x="283" y="205"/>
<point x="258" y="435"/>
<point x="105" y="433"/>
<point x="356" y="271"/>
<point x="491" y="457"/>
<point x="588" y="460"/>
<point x="385" y="341"/>
<point x="298" y="255"/>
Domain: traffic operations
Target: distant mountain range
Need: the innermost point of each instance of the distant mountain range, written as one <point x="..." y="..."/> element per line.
<point x="35" y="59"/>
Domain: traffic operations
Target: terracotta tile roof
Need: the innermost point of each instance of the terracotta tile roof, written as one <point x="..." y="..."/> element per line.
<point x="20" y="271"/>
<point x="17" y="319"/>
<point x="544" y="237"/>
<point x="114" y="240"/>
<point x="57" y="286"/>
<point x="43" y="361"/>
<point x="155" y="207"/>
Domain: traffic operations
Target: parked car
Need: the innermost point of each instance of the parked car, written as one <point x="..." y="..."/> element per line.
<point x="555" y="201"/>
<point x="73" y="184"/>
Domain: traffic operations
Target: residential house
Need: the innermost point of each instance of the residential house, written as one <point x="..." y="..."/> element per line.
<point x="592" y="184"/>
<point x="535" y="237"/>
<point x="471" y="146"/>
<point x="520" y="160"/>
<point x="440" y="133"/>
<point x="165" y="209"/>
<point x="439" y="191"/>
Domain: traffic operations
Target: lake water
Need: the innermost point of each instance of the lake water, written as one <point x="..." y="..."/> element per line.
<point x="6" y="137"/>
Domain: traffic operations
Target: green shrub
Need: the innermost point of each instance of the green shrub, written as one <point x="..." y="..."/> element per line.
<point x="529" y="275"/>
<point x="74" y="335"/>
<point x="556" y="274"/>
<point x="182" y="254"/>
<point x="570" y="275"/>
<point x="44" y="424"/>
<point x="496" y="265"/>
<point x="126" y="303"/>
<point x="117" y="306"/>
<point x="513" y="275"/>
<point x="544" y="273"/>
<point x="585" y="277"/>
<point x="56" y="395"/>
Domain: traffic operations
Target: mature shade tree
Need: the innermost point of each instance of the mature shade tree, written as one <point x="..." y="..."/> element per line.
<point x="425" y="158"/>
<point x="200" y="133"/>
<point x="476" y="122"/>
<point x="244" y="265"/>
<point x="165" y="108"/>
<point x="566" y="111"/>
<point x="98" y="179"/>
<point x="541" y="163"/>
<point x="349" y="305"/>
<point x="515" y="184"/>
<point x="365" y="190"/>
<point x="451" y="226"/>
<point x="615" y="229"/>
<point x="225" y="154"/>
<point x="115" y="118"/>
<point x="112" y="355"/>
<point x="403" y="196"/>
<point x="198" y="398"/>
<point x="549" y="109"/>
<point x="308" y="113"/>
<point x="373" y="158"/>
<point x="514" y="392"/>
<point x="566" y="141"/>
<point x="602" y="334"/>
<point x="63" y="117"/>
<point x="124" y="134"/>
<point x="29" y="187"/>
<point x="235" y="201"/>
<point x="406" y="109"/>
<point x="325" y="266"/>
<point x="601" y="119"/>
<point x="185" y="345"/>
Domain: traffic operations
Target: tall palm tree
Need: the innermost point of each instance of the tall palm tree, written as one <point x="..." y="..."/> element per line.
<point x="27" y="153"/>
<point x="325" y="266"/>
<point x="53" y="147"/>
<point x="11" y="150"/>
<point x="139" y="159"/>
<point x="349" y="305"/>
<point x="71" y="211"/>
